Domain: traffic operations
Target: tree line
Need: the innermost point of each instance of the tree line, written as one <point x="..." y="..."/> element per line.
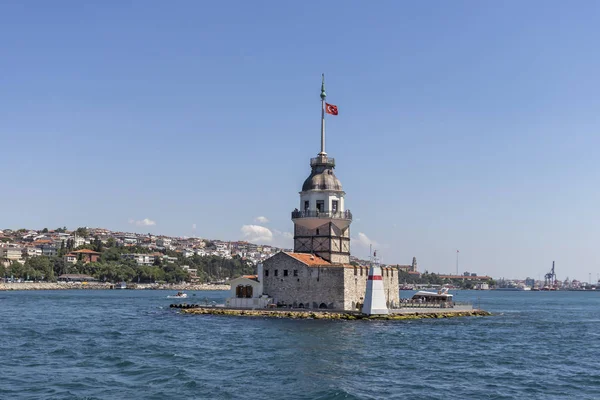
<point x="112" y="268"/>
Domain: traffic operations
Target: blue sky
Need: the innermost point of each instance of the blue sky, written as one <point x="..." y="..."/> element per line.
<point x="463" y="125"/>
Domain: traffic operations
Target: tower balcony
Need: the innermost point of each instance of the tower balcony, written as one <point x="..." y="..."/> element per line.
<point x="323" y="161"/>
<point x="342" y="215"/>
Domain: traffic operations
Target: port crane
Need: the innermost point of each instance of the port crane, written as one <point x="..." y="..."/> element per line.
<point x="550" y="277"/>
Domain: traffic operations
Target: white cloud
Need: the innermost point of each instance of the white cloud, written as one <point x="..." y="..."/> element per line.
<point x="144" y="222"/>
<point x="261" y="220"/>
<point x="364" y="241"/>
<point x="257" y="234"/>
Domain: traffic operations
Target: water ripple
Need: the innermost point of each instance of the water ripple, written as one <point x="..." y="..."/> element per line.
<point x="129" y="344"/>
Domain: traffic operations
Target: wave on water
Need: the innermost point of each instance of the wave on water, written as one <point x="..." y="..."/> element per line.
<point x="109" y="345"/>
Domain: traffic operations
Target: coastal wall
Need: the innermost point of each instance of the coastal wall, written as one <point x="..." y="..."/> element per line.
<point x="102" y="286"/>
<point x="355" y="286"/>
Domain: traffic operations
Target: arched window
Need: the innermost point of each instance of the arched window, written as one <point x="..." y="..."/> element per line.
<point x="248" y="291"/>
<point x="322" y="305"/>
<point x="239" y="291"/>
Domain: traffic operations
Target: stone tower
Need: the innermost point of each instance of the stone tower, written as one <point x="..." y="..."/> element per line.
<point x="322" y="223"/>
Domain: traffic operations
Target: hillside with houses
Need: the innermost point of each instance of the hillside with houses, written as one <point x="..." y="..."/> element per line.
<point x="107" y="256"/>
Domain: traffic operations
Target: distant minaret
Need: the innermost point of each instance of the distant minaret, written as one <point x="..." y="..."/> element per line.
<point x="322" y="223"/>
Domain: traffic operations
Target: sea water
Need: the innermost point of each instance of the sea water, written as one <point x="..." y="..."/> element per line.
<point x="126" y="344"/>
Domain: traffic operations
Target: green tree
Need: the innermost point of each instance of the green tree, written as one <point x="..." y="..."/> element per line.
<point x="97" y="244"/>
<point x="39" y="268"/>
<point x="82" y="232"/>
<point x="16" y="270"/>
<point x="111" y="242"/>
<point x="45" y="230"/>
<point x="60" y="266"/>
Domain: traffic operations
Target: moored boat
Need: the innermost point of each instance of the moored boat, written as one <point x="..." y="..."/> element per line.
<point x="179" y="295"/>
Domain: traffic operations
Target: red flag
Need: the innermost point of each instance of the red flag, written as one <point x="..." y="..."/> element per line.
<point x="331" y="109"/>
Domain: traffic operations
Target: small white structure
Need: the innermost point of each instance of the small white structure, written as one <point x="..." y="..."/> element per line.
<point x="247" y="291"/>
<point x="375" y="295"/>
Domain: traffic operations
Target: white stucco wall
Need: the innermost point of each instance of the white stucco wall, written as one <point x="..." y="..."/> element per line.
<point x="327" y="196"/>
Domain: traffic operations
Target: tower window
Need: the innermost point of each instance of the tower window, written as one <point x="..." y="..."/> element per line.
<point x="320" y="205"/>
<point x="334" y="206"/>
<point x="276" y="272"/>
<point x="285" y="272"/>
<point x="266" y="272"/>
<point x="355" y="271"/>
<point x="295" y="272"/>
<point x="306" y="203"/>
<point x="317" y="231"/>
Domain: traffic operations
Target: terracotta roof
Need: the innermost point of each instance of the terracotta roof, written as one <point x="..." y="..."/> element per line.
<point x="85" y="251"/>
<point x="250" y="276"/>
<point x="309" y="259"/>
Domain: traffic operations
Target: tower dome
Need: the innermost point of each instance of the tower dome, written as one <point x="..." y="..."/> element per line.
<point x="322" y="177"/>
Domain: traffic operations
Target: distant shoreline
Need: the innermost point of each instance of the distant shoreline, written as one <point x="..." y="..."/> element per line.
<point x="104" y="286"/>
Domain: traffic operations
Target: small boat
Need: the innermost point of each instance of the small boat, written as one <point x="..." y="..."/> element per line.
<point x="179" y="295"/>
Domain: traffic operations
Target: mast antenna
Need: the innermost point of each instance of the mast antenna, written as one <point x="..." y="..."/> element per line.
<point x="323" y="96"/>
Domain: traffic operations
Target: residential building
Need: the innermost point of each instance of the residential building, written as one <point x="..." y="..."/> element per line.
<point x="49" y="250"/>
<point x="32" y="251"/>
<point x="11" y="253"/>
<point x="70" y="258"/>
<point x="86" y="255"/>
<point x="140" y="259"/>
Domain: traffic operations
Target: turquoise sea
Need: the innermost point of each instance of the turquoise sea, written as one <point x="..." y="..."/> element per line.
<point x="130" y="345"/>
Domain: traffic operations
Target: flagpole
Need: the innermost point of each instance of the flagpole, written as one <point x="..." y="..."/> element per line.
<point x="323" y="95"/>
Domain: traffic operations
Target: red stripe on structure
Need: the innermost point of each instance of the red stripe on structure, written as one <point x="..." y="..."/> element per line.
<point x="375" y="278"/>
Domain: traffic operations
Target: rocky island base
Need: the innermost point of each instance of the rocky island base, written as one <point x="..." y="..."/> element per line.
<point x="314" y="314"/>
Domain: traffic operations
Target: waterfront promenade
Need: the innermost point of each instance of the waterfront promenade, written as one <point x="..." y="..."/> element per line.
<point x="104" y="286"/>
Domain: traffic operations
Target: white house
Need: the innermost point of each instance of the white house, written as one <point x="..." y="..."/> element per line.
<point x="164" y="242"/>
<point x="11" y="253"/>
<point x="140" y="259"/>
<point x="79" y="241"/>
<point x="32" y="252"/>
<point x="247" y="292"/>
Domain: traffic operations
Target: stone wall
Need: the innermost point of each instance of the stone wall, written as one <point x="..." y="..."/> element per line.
<point x="311" y="287"/>
<point x="339" y="287"/>
<point x="355" y="286"/>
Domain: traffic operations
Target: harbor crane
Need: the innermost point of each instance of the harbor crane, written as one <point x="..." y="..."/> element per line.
<point x="550" y="277"/>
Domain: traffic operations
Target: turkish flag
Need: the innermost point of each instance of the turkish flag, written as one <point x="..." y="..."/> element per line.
<point x="331" y="109"/>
